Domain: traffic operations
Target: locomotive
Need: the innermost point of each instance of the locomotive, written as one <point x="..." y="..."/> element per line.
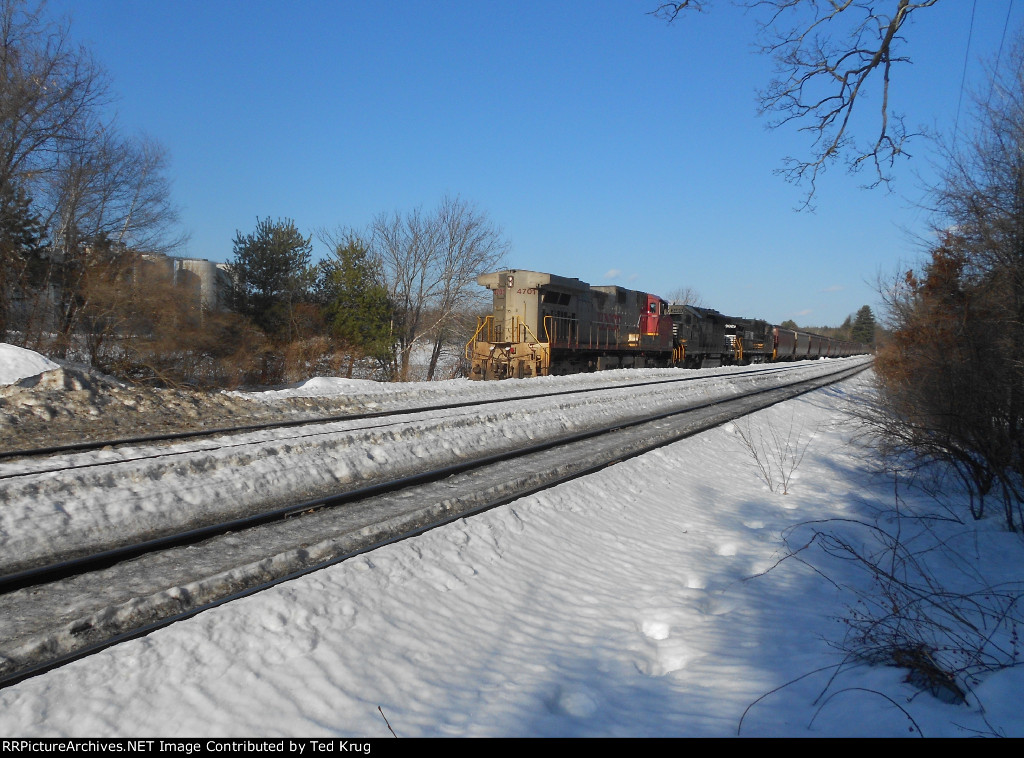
<point x="543" y="324"/>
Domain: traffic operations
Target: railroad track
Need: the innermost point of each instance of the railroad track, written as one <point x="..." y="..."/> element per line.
<point x="57" y="611"/>
<point x="85" y="446"/>
<point x="50" y="509"/>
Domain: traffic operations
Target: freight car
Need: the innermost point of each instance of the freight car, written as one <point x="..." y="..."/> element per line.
<point x="544" y="324"/>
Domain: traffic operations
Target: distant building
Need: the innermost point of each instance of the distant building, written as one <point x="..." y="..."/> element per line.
<point x="209" y="281"/>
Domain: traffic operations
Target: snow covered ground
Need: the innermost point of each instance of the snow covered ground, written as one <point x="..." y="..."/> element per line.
<point x="646" y="600"/>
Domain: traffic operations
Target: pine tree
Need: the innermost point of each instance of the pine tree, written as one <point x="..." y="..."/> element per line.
<point x="271" y="275"/>
<point x="864" y="326"/>
<point x="355" y="302"/>
<point x="845" y="329"/>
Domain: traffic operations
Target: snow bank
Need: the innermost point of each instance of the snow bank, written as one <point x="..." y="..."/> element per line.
<point x="16" y="363"/>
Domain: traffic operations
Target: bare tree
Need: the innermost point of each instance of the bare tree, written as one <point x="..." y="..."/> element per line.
<point x="91" y="187"/>
<point x="50" y="89"/>
<point x="108" y="193"/>
<point x="685" y="296"/>
<point x="404" y="246"/>
<point x="829" y="54"/>
<point x="469" y="244"/>
<point x="430" y="263"/>
<point x="670" y="11"/>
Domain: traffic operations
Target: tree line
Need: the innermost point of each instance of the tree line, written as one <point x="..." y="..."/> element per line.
<point x="403" y="289"/>
<point x="862" y="328"/>
<point x="950" y="369"/>
<point x="953" y="369"/>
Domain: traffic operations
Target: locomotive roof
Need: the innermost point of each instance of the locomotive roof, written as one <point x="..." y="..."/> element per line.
<point x="526" y="278"/>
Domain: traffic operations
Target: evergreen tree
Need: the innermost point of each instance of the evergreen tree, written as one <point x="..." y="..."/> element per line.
<point x="271" y="275"/>
<point x="355" y="302"/>
<point x="864" y="327"/>
<point x="845" y="329"/>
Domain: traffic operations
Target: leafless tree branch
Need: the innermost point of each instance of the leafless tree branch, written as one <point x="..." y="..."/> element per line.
<point x="829" y="56"/>
<point x="670" y="11"/>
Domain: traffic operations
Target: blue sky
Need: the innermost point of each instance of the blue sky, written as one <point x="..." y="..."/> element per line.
<point x="606" y="144"/>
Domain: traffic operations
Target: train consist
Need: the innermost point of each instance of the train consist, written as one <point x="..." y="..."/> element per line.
<point x="544" y="324"/>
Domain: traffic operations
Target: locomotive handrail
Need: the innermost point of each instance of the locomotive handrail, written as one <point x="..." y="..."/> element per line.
<point x="520" y="332"/>
<point x="551" y="332"/>
<point x="488" y="322"/>
<point x="526" y="331"/>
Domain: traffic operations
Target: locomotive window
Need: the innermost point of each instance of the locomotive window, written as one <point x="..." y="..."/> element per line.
<point x="556" y="298"/>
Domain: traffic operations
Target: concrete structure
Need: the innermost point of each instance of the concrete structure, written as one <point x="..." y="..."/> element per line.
<point x="208" y="280"/>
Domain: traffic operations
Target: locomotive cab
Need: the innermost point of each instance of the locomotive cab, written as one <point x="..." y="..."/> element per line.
<point x="531" y="312"/>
